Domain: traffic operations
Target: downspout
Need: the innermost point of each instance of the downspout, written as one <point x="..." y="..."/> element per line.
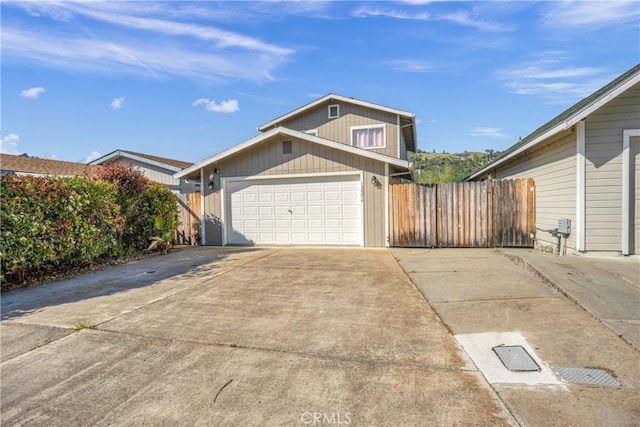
<point x="580" y="187"/>
<point x="398" y="136"/>
<point x="627" y="134"/>
<point x="386" y="204"/>
<point x="203" y="226"/>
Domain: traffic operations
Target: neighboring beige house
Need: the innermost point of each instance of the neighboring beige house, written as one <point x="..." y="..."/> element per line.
<point x="317" y="175"/>
<point x="158" y="169"/>
<point x="586" y="166"/>
<point x="25" y="165"/>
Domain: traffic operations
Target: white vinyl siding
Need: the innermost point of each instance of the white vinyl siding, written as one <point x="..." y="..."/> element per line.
<point x="553" y="168"/>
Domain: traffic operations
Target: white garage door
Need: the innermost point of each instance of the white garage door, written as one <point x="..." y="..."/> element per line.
<point x="295" y="211"/>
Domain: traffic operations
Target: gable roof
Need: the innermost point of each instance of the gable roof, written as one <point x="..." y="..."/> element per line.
<point x="163" y="162"/>
<point x="293" y="134"/>
<point x="34" y="165"/>
<point x="407" y="119"/>
<point x="567" y="118"/>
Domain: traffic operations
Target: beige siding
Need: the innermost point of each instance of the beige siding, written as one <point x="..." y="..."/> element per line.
<point x="339" y="129"/>
<point x="604" y="170"/>
<point x="307" y="158"/>
<point x="552" y="165"/>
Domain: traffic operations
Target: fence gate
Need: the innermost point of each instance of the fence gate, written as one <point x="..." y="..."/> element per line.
<point x="463" y="214"/>
<point x="188" y="232"/>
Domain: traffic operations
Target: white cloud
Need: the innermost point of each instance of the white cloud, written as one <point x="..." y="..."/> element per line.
<point x="117" y="103"/>
<point x="9" y="144"/>
<point x="410" y="65"/>
<point x="228" y="106"/>
<point x="590" y="14"/>
<point x="488" y="132"/>
<point x="366" y="12"/>
<point x="549" y="77"/>
<point x="32" y="92"/>
<point x="91" y="157"/>
<point x="463" y="18"/>
<point x="196" y="51"/>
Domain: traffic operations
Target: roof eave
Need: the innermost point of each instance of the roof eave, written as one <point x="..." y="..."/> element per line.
<point x="122" y="153"/>
<point x="328" y="97"/>
<point x="295" y="134"/>
<point x="562" y="126"/>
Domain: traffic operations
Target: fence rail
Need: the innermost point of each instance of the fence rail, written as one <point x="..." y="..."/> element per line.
<point x="188" y="232"/>
<point x="467" y="214"/>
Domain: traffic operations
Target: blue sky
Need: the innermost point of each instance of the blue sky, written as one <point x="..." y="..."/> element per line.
<point x="186" y="80"/>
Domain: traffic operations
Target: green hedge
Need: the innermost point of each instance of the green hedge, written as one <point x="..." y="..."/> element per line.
<point x="63" y="223"/>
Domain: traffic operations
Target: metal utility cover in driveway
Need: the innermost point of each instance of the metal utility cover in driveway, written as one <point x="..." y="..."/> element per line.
<point x="516" y="358"/>
<point x="588" y="376"/>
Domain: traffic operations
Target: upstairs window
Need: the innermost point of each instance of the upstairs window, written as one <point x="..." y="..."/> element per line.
<point x="287" y="147"/>
<point x="334" y="111"/>
<point x="368" y="136"/>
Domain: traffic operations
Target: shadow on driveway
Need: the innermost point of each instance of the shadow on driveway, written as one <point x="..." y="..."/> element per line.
<point x="142" y="273"/>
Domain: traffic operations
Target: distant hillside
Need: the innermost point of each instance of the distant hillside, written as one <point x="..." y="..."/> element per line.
<point x="436" y="168"/>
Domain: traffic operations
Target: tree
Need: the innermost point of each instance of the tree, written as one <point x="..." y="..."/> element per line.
<point x="489" y="152"/>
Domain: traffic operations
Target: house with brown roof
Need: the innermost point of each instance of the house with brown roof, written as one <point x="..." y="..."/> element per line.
<point x="25" y="165"/>
<point x="586" y="166"/>
<point x="155" y="168"/>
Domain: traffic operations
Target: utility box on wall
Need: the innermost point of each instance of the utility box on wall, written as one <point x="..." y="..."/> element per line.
<point x="564" y="226"/>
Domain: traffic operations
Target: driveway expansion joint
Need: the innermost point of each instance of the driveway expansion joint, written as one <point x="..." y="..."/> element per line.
<point x="308" y="354"/>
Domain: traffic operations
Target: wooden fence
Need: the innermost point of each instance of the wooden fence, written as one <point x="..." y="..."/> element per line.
<point x="189" y="214"/>
<point x="463" y="215"/>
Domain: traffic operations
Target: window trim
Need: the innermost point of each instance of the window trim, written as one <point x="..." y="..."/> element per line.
<point x="376" y="126"/>
<point x="337" y="111"/>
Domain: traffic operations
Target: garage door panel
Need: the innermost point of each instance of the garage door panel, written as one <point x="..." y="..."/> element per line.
<point x="298" y="238"/>
<point x="281" y="196"/>
<point x="315" y="196"/>
<point x="334" y="209"/>
<point x="249" y="198"/>
<point x="298" y="224"/>
<point x="315" y="209"/>
<point x="298" y="210"/>
<point x="332" y="196"/>
<point x="350" y="210"/>
<point x="249" y="211"/>
<point x="302" y="211"/>
<point x="316" y="224"/>
<point x="333" y="223"/>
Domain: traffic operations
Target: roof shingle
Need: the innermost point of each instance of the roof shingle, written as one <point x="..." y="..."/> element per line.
<point x="34" y="165"/>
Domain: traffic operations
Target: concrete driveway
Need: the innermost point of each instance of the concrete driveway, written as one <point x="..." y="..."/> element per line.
<point x="211" y="336"/>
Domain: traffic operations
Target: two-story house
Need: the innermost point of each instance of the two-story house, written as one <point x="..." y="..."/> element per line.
<point x="318" y="175"/>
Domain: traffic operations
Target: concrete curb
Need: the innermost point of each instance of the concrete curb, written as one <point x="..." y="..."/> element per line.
<point x="528" y="266"/>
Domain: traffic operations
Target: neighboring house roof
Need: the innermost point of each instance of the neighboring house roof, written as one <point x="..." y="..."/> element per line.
<point x="567" y="118"/>
<point x="186" y="173"/>
<point x="407" y="119"/>
<point x="34" y="165"/>
<point x="163" y="162"/>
